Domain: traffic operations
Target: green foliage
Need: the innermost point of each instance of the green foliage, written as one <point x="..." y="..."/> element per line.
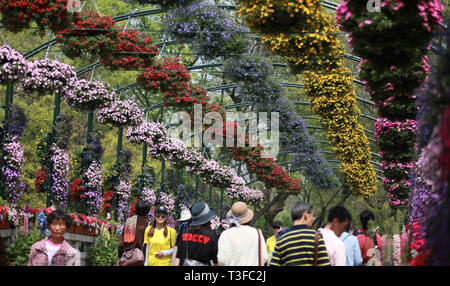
<point x="104" y="253"/>
<point x="63" y="130"/>
<point x="19" y="250"/>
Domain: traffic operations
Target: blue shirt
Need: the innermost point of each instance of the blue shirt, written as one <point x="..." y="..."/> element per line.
<point x="352" y="250"/>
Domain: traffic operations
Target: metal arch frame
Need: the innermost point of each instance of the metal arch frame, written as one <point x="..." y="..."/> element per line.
<point x="327" y="4"/>
<point x="158" y="11"/>
<point x="118" y="18"/>
<point x="159" y="105"/>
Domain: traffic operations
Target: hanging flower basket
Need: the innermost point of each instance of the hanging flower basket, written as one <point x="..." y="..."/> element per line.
<point x="147" y="132"/>
<point x="238" y="191"/>
<point x="247" y="69"/>
<point x="121" y="113"/>
<point x="89" y="34"/>
<point x="51" y="14"/>
<point x="186" y="98"/>
<point x="16" y="14"/>
<point x="214" y="174"/>
<point x="210" y="29"/>
<point x="172" y="148"/>
<point x="47" y="77"/>
<point x="90" y="95"/>
<point x="378" y="36"/>
<point x="314" y="47"/>
<point x="133" y="51"/>
<point x="167" y="75"/>
<point x="13" y="66"/>
<point x="266" y="16"/>
<point x="165" y="3"/>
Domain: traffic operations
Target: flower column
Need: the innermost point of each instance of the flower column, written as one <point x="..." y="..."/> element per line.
<point x="88" y="96"/>
<point x="307" y="38"/>
<point x="13" y="67"/>
<point x="121" y="114"/>
<point x="393" y="44"/>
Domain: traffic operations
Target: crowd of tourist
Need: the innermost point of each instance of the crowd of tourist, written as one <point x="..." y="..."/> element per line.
<point x="195" y="243"/>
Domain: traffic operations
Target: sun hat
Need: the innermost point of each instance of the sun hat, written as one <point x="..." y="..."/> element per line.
<point x="201" y="214"/>
<point x="240" y="214"/>
<point x="185" y="215"/>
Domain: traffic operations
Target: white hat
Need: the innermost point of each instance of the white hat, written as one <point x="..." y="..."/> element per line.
<point x="185" y="215"/>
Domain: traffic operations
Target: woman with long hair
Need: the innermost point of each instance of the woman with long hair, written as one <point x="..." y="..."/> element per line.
<point x="368" y="238"/>
<point x="134" y="232"/>
<point x="159" y="239"/>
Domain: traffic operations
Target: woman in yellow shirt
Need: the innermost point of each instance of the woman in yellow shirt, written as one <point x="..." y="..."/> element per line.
<point x="159" y="240"/>
<point x="272" y="241"/>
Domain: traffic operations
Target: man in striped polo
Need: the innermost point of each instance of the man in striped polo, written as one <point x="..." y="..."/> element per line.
<point x="299" y="246"/>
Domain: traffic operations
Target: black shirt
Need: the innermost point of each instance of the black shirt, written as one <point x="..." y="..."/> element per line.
<point x="202" y="245"/>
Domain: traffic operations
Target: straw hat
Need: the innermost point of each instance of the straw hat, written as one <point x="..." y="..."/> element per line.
<point x="241" y="211"/>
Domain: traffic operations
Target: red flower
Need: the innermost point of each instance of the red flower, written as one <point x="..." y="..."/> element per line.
<point x="420" y="259"/>
<point x="39" y="181"/>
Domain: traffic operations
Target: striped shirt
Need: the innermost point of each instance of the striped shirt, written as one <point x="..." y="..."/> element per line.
<point x="296" y="248"/>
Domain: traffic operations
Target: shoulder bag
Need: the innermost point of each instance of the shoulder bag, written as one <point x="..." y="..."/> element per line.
<point x="132" y="257"/>
<point x="316" y="248"/>
<point x="260" y="262"/>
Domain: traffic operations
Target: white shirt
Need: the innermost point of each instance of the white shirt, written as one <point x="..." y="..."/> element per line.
<point x="239" y="247"/>
<point x="52" y="249"/>
<point x="335" y="247"/>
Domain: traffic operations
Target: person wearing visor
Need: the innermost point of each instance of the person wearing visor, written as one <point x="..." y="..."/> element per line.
<point x="182" y="222"/>
<point x="159" y="239"/>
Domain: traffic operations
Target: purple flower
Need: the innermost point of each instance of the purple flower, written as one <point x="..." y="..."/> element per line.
<point x="13" y="66"/>
<point x="49" y="76"/>
<point x="121" y="113"/>
<point x="90" y="95"/>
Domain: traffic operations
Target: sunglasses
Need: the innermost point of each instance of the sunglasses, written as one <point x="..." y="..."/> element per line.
<point x="276" y="227"/>
<point x="158" y="215"/>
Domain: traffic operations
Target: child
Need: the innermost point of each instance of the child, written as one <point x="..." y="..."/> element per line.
<point x="54" y="250"/>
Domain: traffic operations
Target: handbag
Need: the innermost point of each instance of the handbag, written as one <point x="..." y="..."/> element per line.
<point x="316" y="248"/>
<point x="193" y="262"/>
<point x="259" y="249"/>
<point x="132" y="257"/>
